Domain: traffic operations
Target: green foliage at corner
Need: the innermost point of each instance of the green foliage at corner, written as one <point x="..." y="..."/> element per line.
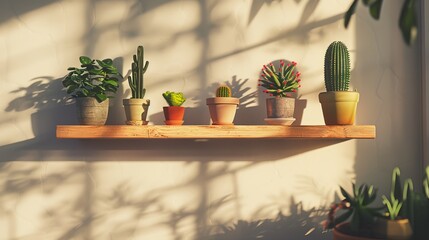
<point x="95" y="78"/>
<point x="407" y="20"/>
<point x="173" y="98"/>
<point x="138" y="69"/>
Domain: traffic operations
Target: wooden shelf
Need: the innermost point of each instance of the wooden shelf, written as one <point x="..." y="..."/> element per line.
<point x="211" y="131"/>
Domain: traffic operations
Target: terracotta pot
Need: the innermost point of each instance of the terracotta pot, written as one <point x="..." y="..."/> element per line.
<point x="91" y="112"/>
<point x="174" y="115"/>
<point x="280" y="107"/>
<point x="136" y="111"/>
<point x="339" y="108"/>
<point x="339" y="234"/>
<point x="222" y="110"/>
<point x="394" y="229"/>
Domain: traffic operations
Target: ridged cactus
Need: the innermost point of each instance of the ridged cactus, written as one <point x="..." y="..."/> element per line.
<point x="337" y="67"/>
<point x="223" y="91"/>
<point x="138" y="69"/>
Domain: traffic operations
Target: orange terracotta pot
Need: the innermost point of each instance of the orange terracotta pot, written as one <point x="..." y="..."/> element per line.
<point x="174" y="115"/>
<point x="339" y="234"/>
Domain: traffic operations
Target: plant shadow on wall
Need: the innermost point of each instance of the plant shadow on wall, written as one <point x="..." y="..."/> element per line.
<point x="46" y="95"/>
<point x="298" y="224"/>
<point x="33" y="179"/>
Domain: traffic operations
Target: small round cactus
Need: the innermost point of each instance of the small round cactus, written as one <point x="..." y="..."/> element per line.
<point x="223" y="91"/>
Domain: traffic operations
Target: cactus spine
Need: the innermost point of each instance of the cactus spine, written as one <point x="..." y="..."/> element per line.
<point x="138" y="69"/>
<point x="223" y="91"/>
<point x="337" y="67"/>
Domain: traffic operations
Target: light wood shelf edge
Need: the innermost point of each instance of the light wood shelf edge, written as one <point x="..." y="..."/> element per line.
<point x="213" y="132"/>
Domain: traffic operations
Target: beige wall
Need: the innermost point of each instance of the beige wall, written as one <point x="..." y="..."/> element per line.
<point x="171" y="189"/>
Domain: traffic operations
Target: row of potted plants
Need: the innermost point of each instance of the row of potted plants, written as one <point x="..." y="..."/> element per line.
<point x="97" y="80"/>
<point x="405" y="214"/>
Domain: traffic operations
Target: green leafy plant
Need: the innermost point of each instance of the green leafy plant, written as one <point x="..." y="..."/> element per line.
<point x="174" y="99"/>
<point x="404" y="203"/>
<point x="138" y="69"/>
<point x="282" y="81"/>
<point x="407" y="19"/>
<point x="397" y="196"/>
<point x="357" y="207"/>
<point x="223" y="91"/>
<point x="95" y="78"/>
<point x="337" y="67"/>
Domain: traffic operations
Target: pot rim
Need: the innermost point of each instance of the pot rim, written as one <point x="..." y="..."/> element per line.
<point x="223" y="100"/>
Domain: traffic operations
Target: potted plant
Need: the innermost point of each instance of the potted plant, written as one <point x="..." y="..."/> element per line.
<point x="282" y="85"/>
<point x="91" y="85"/>
<point x="137" y="106"/>
<point x="222" y="107"/>
<point x="338" y="104"/>
<point x="174" y="113"/>
<point x="406" y="213"/>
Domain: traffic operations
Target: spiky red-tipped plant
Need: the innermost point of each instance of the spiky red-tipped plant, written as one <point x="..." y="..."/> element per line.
<point x="280" y="82"/>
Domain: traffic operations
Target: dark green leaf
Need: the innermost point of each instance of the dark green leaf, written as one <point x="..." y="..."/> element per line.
<point x="345" y="194"/>
<point x="375" y="9"/>
<point x="100" y="97"/>
<point x="71" y="68"/>
<point x="343" y="217"/>
<point x="71" y="89"/>
<point x="350" y="13"/>
<point x="84" y="60"/>
<point x="85" y="92"/>
<point x="408" y="21"/>
<point x="96" y="72"/>
<point x="108" y="61"/>
<point x="111" y="82"/>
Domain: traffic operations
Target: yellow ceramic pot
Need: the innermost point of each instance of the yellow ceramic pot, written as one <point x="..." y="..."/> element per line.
<point x="394" y="229"/>
<point x="339" y="108"/>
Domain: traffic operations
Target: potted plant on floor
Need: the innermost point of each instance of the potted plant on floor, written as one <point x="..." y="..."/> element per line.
<point x="406" y="213"/>
<point x="282" y="85"/>
<point x="137" y="106"/>
<point x="91" y="85"/>
<point x="223" y="107"/>
<point x="174" y="113"/>
<point x="338" y="104"/>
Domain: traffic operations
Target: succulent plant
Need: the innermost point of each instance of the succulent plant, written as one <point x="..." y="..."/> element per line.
<point x="95" y="78"/>
<point x="173" y="98"/>
<point x="223" y="91"/>
<point x="282" y="82"/>
<point x="138" y="69"/>
<point x="357" y="207"/>
<point x="426" y="183"/>
<point x="337" y="67"/>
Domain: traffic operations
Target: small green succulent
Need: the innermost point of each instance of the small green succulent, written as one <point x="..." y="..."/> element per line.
<point x="173" y="98"/>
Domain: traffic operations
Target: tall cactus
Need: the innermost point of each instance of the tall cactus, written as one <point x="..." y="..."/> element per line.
<point x="138" y="69"/>
<point x="337" y="67"/>
<point x="223" y="91"/>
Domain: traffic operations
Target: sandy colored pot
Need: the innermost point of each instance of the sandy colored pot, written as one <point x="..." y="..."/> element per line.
<point x="339" y="234"/>
<point x="136" y="111"/>
<point x="222" y="109"/>
<point x="91" y="112"/>
<point x="339" y="108"/>
<point x="281" y="107"/>
<point x="174" y="115"/>
<point x="394" y="229"/>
